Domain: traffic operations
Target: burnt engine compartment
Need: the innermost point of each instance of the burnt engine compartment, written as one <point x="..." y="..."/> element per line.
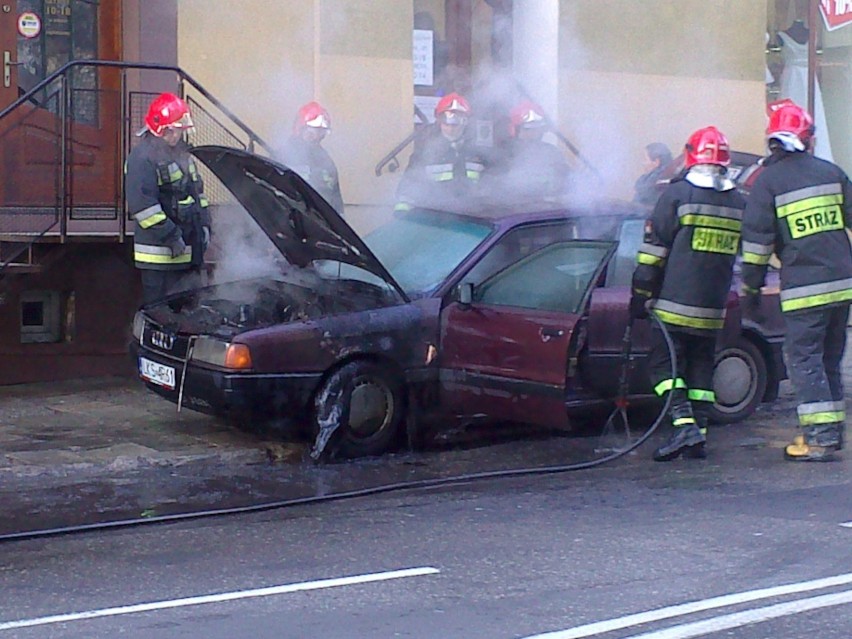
<point x="225" y="310"/>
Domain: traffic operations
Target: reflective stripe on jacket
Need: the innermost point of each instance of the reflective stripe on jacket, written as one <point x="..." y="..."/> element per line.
<point x="686" y="260"/>
<point x="440" y="172"/>
<point x="165" y="198"/>
<point x="799" y="209"/>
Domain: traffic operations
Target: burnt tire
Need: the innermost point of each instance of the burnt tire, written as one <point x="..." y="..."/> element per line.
<point x="366" y="399"/>
<point x="740" y="378"/>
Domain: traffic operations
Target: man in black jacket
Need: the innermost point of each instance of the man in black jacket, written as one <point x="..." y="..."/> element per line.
<point x="531" y="169"/>
<point x="165" y="197"/>
<point x="446" y="167"/>
<point x="799" y="209"/>
<point x="305" y="154"/>
<point x="684" y="272"/>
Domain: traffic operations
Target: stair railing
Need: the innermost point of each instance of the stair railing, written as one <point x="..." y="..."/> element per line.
<point x="60" y="82"/>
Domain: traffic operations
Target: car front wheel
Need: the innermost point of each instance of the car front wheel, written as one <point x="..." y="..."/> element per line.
<point x="739" y="380"/>
<point x="363" y="402"/>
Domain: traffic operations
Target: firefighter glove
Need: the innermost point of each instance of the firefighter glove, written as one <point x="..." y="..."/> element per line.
<point x="177" y="246"/>
<point x="638" y="306"/>
<point x="205" y="237"/>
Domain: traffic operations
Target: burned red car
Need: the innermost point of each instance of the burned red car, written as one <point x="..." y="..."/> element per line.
<point x="435" y="318"/>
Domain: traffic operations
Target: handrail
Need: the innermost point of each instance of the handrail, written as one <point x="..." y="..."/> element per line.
<point x="390" y="158"/>
<point x="559" y="135"/>
<point x="185" y="77"/>
<point x="59" y="85"/>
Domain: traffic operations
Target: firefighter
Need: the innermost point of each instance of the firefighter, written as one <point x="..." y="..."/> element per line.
<point x="165" y="197"/>
<point x="532" y="169"/>
<point x="684" y="270"/>
<point x="799" y="208"/>
<point x="447" y="165"/>
<point x="305" y="154"/>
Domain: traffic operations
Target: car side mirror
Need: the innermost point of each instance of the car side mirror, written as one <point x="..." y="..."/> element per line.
<point x="466" y="293"/>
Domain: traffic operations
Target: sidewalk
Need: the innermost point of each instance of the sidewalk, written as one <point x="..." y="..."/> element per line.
<point x="110" y="424"/>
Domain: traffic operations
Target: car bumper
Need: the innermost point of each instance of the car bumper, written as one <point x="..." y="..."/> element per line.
<point x="234" y="396"/>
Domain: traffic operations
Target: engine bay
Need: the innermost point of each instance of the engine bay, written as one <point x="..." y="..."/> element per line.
<point x="228" y="309"/>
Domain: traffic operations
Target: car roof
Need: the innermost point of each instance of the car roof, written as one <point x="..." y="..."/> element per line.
<point x="519" y="212"/>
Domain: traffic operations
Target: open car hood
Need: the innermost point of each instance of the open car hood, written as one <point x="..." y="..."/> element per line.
<point x="301" y="224"/>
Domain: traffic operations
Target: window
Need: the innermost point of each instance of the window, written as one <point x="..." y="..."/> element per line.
<point x="40" y="317"/>
<point x="630" y="237"/>
<point x="516" y="245"/>
<point x="554" y="278"/>
<point x="421" y="248"/>
<point x="68" y="32"/>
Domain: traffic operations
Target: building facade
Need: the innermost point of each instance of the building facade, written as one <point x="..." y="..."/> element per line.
<point x="612" y="75"/>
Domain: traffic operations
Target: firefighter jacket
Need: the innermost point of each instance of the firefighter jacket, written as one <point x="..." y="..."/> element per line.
<point x="691" y="242"/>
<point x="440" y="172"/>
<point x="314" y="165"/>
<point x="165" y="197"/>
<point x="799" y="209"/>
<point x="529" y="170"/>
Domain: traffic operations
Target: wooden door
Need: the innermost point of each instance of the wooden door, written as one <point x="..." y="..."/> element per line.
<point x="80" y="114"/>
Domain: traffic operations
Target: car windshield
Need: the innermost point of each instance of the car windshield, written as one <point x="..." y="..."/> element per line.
<point x="421" y="248"/>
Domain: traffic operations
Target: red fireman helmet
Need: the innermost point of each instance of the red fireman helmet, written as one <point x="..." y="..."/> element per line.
<point x="792" y="126"/>
<point x="452" y="109"/>
<point x="526" y="114"/>
<point x="707" y="146"/>
<point x="313" y="115"/>
<point x="167" y="111"/>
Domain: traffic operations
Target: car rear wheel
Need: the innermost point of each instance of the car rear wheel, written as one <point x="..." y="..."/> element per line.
<point x="365" y="400"/>
<point x="739" y="381"/>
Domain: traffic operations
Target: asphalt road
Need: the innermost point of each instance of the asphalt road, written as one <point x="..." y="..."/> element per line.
<point x="740" y="545"/>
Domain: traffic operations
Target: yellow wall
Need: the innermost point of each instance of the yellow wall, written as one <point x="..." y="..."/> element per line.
<point x="633" y="72"/>
<point x="265" y="58"/>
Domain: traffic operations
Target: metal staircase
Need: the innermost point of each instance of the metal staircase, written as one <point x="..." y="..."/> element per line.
<point x="63" y="145"/>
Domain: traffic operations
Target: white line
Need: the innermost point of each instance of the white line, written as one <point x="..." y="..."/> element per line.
<point x="225" y="596"/>
<point x="747" y="617"/>
<point x="847" y="524"/>
<point x="600" y="627"/>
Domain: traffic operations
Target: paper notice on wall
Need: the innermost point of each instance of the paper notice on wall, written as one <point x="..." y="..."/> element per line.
<point x="422" y="56"/>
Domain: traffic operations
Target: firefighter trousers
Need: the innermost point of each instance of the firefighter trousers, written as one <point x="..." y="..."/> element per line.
<point x="813" y="350"/>
<point x="158" y="284"/>
<point x="692" y="386"/>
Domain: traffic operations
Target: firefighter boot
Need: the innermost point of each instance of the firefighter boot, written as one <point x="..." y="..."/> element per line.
<point x="698" y="451"/>
<point x="686" y="433"/>
<point x="817" y="443"/>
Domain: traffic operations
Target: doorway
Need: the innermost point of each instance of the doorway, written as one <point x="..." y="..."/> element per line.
<point x="79" y="111"/>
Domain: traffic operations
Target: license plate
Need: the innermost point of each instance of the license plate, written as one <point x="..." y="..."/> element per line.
<point x="156" y="373"/>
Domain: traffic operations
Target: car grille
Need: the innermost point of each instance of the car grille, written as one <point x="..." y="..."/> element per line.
<point x="164" y="341"/>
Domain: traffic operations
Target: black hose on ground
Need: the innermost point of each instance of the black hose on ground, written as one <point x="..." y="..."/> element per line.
<point x="620" y="408"/>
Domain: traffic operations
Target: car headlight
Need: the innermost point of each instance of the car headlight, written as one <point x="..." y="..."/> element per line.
<point x="220" y="353"/>
<point x="138" y="326"/>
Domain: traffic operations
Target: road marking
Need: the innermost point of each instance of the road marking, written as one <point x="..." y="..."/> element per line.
<point x="600" y="627"/>
<point x="847" y="524"/>
<point x="225" y="596"/>
<point x="748" y="617"/>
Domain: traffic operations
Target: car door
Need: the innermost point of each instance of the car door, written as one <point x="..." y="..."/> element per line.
<point x="601" y="362"/>
<point x="505" y="352"/>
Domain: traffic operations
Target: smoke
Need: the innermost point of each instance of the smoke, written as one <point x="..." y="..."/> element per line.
<point x="241" y="250"/>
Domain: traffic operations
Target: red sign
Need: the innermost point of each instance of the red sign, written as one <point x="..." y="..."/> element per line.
<point x="836" y="13"/>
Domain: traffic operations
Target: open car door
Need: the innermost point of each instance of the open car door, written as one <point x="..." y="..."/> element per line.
<point x="505" y="351"/>
<point x="609" y="313"/>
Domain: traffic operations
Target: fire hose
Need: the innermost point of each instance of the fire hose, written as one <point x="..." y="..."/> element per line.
<point x="621" y="403"/>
